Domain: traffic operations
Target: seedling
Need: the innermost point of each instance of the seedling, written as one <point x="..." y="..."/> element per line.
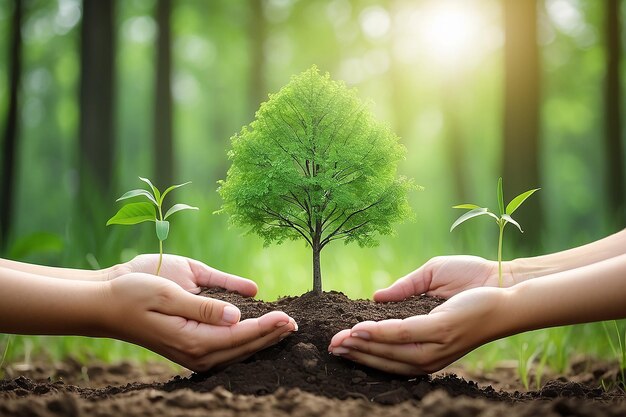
<point x="501" y="220"/>
<point x="150" y="211"/>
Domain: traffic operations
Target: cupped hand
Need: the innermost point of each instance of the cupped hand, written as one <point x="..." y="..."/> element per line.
<point x="445" y="276"/>
<point x="424" y="344"/>
<point x="188" y="273"/>
<point x="197" y="332"/>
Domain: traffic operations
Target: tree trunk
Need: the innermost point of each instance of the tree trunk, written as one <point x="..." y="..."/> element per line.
<point x="10" y="133"/>
<point x="163" y="108"/>
<point x="453" y="137"/>
<point x="613" y="126"/>
<point x="521" y="114"/>
<point x="97" y="96"/>
<point x="256" y="70"/>
<point x="317" y="268"/>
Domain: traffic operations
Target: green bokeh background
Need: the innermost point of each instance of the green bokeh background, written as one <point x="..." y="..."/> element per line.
<point x="356" y="41"/>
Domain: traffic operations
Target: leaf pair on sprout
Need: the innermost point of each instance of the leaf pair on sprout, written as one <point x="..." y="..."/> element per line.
<point x="501" y="220"/>
<point x="149" y="211"/>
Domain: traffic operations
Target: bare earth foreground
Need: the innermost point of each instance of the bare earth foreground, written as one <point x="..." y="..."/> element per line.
<point x="299" y="378"/>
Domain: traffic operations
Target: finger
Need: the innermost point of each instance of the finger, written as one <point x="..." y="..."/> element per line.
<point x="387" y="365"/>
<point x="415" y="283"/>
<point x="425" y="328"/>
<point x="412" y="353"/>
<point x="179" y="302"/>
<point x="339" y="338"/>
<point x="211" y="277"/>
<point x="212" y="338"/>
<point x="225" y="357"/>
<point x="429" y="357"/>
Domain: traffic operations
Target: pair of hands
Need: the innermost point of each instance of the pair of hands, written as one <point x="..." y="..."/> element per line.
<point x="162" y="314"/>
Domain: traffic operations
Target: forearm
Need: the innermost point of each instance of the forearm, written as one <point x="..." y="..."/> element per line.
<point x="63" y="273"/>
<point x="528" y="268"/>
<point x="33" y="304"/>
<point x="590" y="293"/>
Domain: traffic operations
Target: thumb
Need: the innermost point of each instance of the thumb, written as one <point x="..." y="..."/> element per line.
<point x="199" y="308"/>
<point x="415" y="283"/>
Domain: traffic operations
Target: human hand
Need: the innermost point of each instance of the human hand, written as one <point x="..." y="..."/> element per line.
<point x="188" y="273"/>
<point x="197" y="332"/>
<point x="424" y="344"/>
<point x="445" y="276"/>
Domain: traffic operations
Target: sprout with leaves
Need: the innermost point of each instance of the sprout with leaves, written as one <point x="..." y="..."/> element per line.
<point x="501" y="220"/>
<point x="316" y="165"/>
<point x="150" y="211"/>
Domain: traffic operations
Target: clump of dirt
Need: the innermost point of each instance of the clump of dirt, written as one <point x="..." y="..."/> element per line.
<point x="297" y="377"/>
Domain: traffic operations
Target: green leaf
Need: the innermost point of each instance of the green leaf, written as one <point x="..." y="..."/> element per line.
<point x="138" y="192"/>
<point x="466" y="206"/>
<point x="510" y="220"/>
<point x="134" y="213"/>
<point x="178" y="207"/>
<point x="157" y="194"/>
<point x="162" y="229"/>
<point x="517" y="201"/>
<point x="470" y="214"/>
<point x="500" y="196"/>
<point x="173" y="187"/>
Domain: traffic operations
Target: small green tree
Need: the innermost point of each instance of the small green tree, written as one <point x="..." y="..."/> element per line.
<point x="315" y="165"/>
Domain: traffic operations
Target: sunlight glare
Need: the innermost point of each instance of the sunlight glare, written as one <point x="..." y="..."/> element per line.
<point x="448" y="30"/>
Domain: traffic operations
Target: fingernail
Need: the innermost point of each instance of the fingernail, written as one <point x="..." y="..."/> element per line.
<point x="295" y="325"/>
<point x="281" y="323"/>
<point x="231" y="314"/>
<point x="340" y="351"/>
<point x="348" y="343"/>
<point x="361" y="335"/>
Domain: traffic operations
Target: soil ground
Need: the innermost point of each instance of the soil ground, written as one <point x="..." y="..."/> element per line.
<point x="298" y="377"/>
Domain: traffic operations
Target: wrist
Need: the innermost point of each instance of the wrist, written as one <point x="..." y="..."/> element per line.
<point x="112" y="272"/>
<point x="524" y="269"/>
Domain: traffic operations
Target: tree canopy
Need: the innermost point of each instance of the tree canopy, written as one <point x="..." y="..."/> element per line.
<point x="316" y="165"/>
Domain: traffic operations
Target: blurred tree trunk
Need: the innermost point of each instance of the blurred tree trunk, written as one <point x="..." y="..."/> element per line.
<point x="257" y="88"/>
<point x="453" y="136"/>
<point x="97" y="97"/>
<point x="96" y="132"/>
<point x="521" y="115"/>
<point x="613" y="124"/>
<point x="163" y="108"/>
<point x="9" y="142"/>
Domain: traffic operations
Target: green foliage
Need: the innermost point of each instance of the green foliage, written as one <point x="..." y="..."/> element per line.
<point x="501" y="220"/>
<point x="619" y="352"/>
<point x="315" y="165"/>
<point x="151" y="211"/>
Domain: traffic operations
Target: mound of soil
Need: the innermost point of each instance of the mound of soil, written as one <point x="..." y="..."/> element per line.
<point x="298" y="377"/>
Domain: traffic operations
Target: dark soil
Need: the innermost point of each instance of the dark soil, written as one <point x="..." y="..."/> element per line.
<point x="298" y="377"/>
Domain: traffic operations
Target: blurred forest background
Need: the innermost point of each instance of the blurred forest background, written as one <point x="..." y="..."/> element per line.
<point x="96" y="93"/>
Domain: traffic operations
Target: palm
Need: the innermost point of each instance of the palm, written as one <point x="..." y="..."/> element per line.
<point x="175" y="268"/>
<point x="453" y="274"/>
<point x="189" y="273"/>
